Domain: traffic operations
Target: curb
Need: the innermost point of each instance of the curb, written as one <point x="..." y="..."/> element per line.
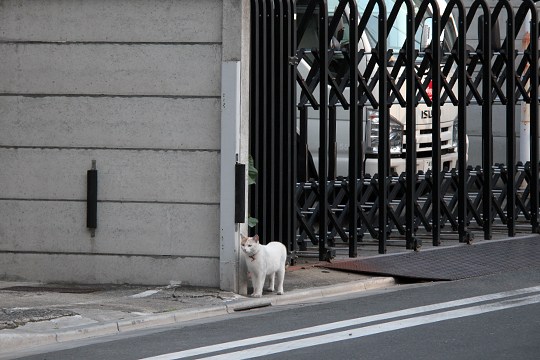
<point x="11" y="342"/>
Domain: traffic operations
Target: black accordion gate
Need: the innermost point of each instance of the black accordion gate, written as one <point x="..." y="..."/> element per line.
<point x="304" y="205"/>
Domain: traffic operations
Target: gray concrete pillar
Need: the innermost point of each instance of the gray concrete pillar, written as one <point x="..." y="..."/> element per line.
<point x="234" y="137"/>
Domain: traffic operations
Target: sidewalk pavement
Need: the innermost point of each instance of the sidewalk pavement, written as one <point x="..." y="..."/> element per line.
<point x="36" y="314"/>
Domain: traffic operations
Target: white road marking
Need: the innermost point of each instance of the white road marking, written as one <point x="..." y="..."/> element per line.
<point x="376" y="329"/>
<point x="364" y="331"/>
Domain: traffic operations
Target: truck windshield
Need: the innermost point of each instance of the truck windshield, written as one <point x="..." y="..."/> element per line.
<point x="396" y="36"/>
<point x="398" y="32"/>
<point x="338" y="66"/>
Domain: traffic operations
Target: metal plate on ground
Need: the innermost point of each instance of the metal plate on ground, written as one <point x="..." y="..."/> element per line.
<point x="452" y="263"/>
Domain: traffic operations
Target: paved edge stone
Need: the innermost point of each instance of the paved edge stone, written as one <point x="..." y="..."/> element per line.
<point x="194" y="314"/>
<point x="84" y="332"/>
<point x="146" y="321"/>
<point x="11" y="342"/>
<point x="335" y="290"/>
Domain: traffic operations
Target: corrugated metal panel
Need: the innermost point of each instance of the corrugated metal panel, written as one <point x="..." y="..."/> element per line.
<point x="452" y="263"/>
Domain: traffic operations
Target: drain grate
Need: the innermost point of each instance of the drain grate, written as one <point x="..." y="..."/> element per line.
<point x="452" y="263"/>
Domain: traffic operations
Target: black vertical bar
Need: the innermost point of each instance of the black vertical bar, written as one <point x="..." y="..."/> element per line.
<point x="384" y="129"/>
<point x="91" y="198"/>
<point x="355" y="128"/>
<point x="410" y="195"/>
<point x="262" y="164"/>
<point x="286" y="157"/>
<point x="269" y="233"/>
<point x="487" y="130"/>
<point x="291" y="139"/>
<point x="323" y="127"/>
<point x="510" y="119"/>
<point x="278" y="126"/>
<point x="534" y="117"/>
<point x="462" y="124"/>
<point x="436" y="125"/>
<point x="239" y="193"/>
<point x="255" y="104"/>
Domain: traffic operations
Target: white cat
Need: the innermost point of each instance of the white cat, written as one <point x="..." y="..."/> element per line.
<point x="264" y="261"/>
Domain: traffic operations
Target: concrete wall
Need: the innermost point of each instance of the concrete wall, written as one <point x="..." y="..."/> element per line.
<point x="134" y="85"/>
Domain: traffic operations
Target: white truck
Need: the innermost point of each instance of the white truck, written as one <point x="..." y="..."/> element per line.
<point x="367" y="41"/>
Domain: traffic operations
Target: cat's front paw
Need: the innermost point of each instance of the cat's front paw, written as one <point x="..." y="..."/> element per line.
<point x="256" y="295"/>
<point x="280" y="292"/>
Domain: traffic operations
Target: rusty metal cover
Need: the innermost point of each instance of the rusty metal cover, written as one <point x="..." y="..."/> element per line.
<point x="452" y="263"/>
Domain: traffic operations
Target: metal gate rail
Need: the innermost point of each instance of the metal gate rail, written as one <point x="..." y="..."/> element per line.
<point x="307" y="197"/>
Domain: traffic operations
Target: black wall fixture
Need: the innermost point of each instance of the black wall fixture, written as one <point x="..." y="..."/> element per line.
<point x="91" y="199"/>
<point x="240" y="193"/>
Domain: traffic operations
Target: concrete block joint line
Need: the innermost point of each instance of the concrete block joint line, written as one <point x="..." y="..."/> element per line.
<point x="14" y="341"/>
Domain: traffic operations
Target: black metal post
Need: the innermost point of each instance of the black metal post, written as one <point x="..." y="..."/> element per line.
<point x="509" y="60"/>
<point x="355" y="131"/>
<point x="463" y="233"/>
<point x="384" y="129"/>
<point x="269" y="221"/>
<point x="323" y="127"/>
<point x="410" y="196"/>
<point x="254" y="107"/>
<point x="278" y="123"/>
<point x="436" y="125"/>
<point x="290" y="127"/>
<point x="487" y="129"/>
<point x="262" y="163"/>
<point x="534" y="116"/>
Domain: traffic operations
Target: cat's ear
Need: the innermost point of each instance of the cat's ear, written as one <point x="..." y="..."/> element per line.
<point x="244" y="238"/>
<point x="256" y="238"/>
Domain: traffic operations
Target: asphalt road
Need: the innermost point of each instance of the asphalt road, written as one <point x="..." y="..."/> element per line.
<point x="491" y="317"/>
